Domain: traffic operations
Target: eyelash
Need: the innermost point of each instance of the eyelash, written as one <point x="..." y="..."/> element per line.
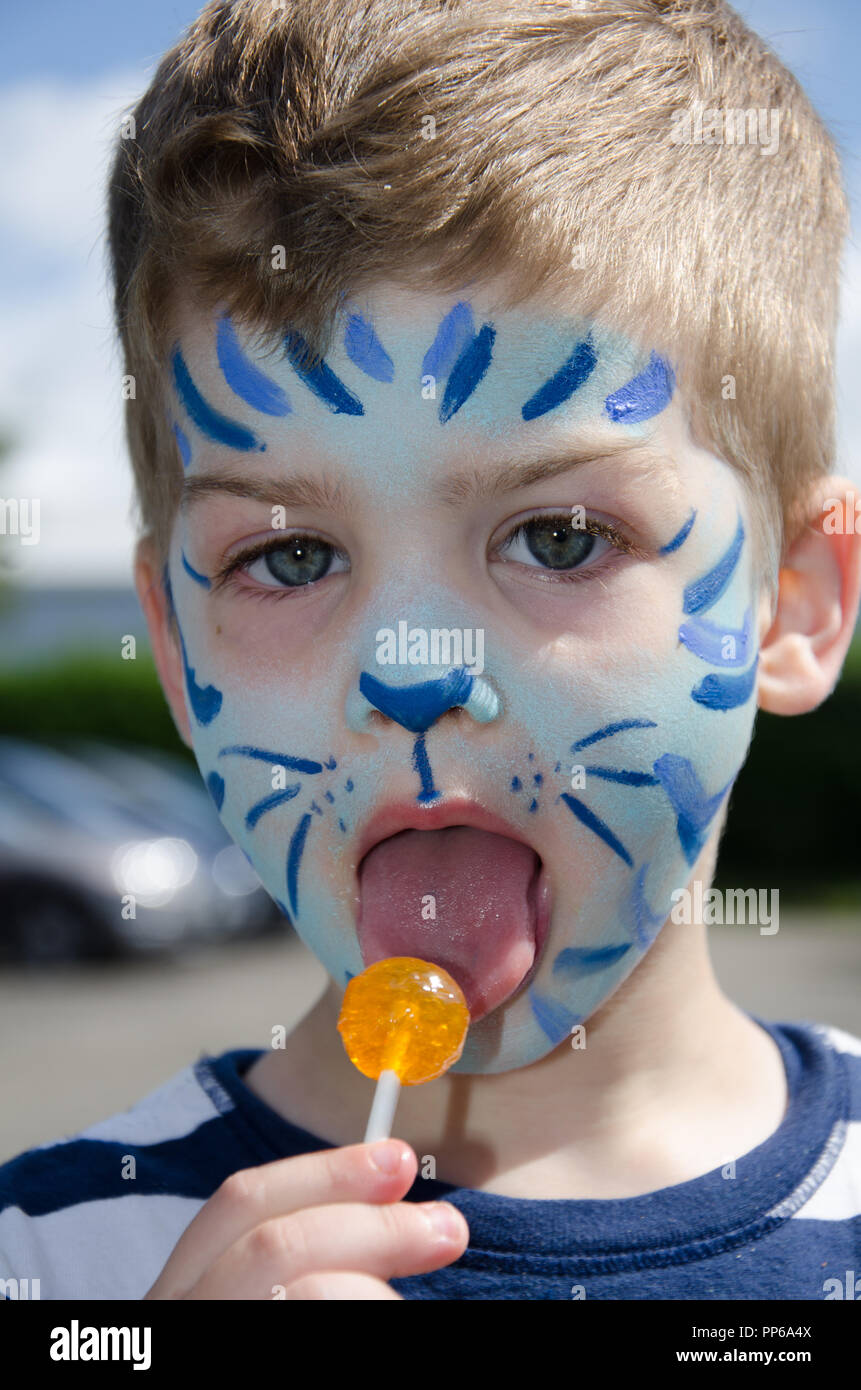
<point x="226" y="575"/>
<point x="581" y="573"/>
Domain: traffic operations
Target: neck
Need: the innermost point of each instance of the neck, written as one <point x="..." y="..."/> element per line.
<point x="674" y="1081"/>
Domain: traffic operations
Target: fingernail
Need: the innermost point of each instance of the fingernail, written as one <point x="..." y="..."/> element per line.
<point x="444" y="1220"/>
<point x="386" y="1157"/>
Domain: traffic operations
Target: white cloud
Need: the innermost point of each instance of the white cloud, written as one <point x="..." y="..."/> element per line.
<point x="59" y="366"/>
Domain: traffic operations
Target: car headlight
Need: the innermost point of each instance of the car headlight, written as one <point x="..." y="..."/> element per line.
<point x="153" y="871"/>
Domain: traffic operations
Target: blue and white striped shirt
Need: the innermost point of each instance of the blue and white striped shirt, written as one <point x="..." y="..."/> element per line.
<point x="783" y="1222"/>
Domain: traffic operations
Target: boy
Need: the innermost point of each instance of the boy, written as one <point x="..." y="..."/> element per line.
<point x="482" y="430"/>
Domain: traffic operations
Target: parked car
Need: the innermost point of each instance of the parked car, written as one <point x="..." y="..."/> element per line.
<point x="108" y="851"/>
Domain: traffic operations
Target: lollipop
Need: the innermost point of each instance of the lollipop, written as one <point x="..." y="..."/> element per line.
<point x="403" y="1021"/>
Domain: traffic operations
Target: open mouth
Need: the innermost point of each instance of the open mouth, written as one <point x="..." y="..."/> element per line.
<point x="471" y="900"/>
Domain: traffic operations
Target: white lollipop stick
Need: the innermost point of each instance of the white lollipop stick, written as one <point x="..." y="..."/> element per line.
<point x="383" y="1108"/>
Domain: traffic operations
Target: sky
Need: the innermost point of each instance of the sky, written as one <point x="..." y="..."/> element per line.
<point x="69" y="70"/>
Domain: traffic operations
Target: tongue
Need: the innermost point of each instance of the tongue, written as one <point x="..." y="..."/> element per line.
<point x="483" y="885"/>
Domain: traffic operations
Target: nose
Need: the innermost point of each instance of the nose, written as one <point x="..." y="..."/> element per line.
<point x="418" y="705"/>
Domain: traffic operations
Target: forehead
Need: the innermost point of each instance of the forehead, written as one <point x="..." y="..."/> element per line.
<point x="411" y="377"/>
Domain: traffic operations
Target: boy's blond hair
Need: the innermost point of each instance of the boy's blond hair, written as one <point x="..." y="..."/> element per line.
<point x="441" y="141"/>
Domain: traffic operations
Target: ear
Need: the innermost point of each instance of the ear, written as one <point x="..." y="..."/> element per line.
<point x="149" y="582"/>
<point x="802" y="653"/>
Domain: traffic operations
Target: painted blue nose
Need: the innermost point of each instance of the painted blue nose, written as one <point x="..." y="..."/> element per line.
<point x="417" y="707"/>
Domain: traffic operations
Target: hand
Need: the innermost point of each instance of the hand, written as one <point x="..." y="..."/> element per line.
<point x="326" y="1225"/>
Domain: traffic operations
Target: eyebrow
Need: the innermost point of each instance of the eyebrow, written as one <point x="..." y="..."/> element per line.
<point x="476" y="484"/>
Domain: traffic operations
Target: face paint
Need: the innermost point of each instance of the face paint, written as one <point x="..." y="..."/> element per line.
<point x="596" y="730"/>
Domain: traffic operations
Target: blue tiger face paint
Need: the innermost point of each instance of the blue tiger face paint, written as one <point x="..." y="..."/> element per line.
<point x="452" y="468"/>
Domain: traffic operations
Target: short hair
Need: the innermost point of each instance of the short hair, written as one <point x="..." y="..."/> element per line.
<point x="440" y="141"/>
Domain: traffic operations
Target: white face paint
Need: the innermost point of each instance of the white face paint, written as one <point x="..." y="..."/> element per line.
<point x="615" y="700"/>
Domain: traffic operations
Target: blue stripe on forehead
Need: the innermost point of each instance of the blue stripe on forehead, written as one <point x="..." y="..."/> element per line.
<point x="243" y="377"/>
<point x="467" y="372"/>
<point x="209" y="421"/>
<point x="576" y="369"/>
<point x="452" y="336"/>
<point x="365" y="349"/>
<point x="325" y="384"/>
<point x="644" y="395"/>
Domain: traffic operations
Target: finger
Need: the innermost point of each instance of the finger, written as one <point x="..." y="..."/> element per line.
<point x="252" y="1196"/>
<point x="341" y="1285"/>
<point x="387" y="1242"/>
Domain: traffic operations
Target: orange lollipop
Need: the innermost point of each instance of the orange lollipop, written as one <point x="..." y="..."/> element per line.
<point x="403" y="1021"/>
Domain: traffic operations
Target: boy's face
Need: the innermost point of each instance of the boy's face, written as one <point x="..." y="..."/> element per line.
<point x="470" y="637"/>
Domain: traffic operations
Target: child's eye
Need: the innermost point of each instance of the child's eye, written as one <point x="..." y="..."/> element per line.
<point x="293" y="562"/>
<point x="554" y="543"/>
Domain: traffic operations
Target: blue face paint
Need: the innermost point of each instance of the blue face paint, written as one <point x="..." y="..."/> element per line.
<point x="610" y="731"/>
<point x="294" y="859"/>
<point x="194" y="574"/>
<point x="421" y="763"/>
<point x="563" y="383"/>
<point x="576" y="961"/>
<point x="209" y="421"/>
<point x="363" y="347"/>
<point x="645" y="395"/>
<point x="719" y="646"/>
<point x="597" y="826"/>
<point x="558" y="686"/>
<point x="619" y="774"/>
<point x="416" y="707"/>
<point x="554" y="1019"/>
<point x="726" y="692"/>
<point x="205" y="700"/>
<point x="680" y="537"/>
<point x="695" y="810"/>
<point x="215" y="784"/>
<point x="647" y="923"/>
<point x="454" y="333"/>
<point x="325" y="384"/>
<point x="469" y="369"/>
<point x="245" y="379"/>
<point x="269" y="803"/>
<point x="704" y="592"/>
<point x="262" y="755"/>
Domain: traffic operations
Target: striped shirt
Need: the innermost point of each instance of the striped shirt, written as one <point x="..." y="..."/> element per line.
<point x="96" y="1216"/>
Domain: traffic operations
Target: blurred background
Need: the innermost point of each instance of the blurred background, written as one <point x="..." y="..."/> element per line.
<point x="99" y="799"/>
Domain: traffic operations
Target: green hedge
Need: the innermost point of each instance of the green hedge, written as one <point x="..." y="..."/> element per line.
<point x="89" y="695"/>
<point x="794" y="816"/>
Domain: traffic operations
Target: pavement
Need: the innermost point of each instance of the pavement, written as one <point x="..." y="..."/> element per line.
<point x="80" y="1043"/>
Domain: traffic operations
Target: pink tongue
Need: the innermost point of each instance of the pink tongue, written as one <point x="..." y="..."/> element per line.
<point x="484" y="891"/>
